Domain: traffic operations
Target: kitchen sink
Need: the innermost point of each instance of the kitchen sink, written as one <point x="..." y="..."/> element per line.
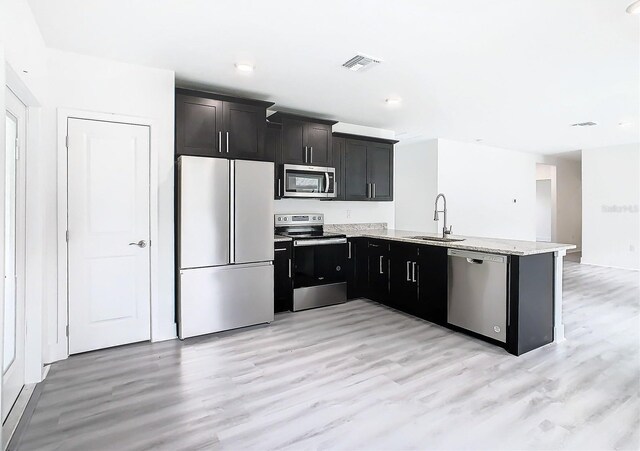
<point x="436" y="238"/>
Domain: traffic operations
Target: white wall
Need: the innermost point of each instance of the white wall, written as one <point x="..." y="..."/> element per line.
<point x="416" y="185"/>
<point x="610" y="203"/>
<point x="98" y="85"/>
<point x="340" y="212"/>
<point x="490" y="191"/>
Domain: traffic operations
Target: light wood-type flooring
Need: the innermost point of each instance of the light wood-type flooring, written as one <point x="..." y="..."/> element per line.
<point x="360" y="376"/>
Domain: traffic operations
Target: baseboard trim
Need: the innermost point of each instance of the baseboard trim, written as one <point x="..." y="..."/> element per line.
<point x="25" y="419"/>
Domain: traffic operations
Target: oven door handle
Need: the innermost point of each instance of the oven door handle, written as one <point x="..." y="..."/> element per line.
<point x="319" y="242"/>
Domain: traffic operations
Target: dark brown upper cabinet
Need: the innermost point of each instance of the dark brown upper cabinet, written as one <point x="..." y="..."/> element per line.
<point x="273" y="143"/>
<point x="305" y="140"/>
<point x="338" y="164"/>
<point x="366" y="171"/>
<point x="215" y="125"/>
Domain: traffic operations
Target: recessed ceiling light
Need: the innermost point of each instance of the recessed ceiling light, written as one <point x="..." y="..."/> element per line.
<point x="584" y="124"/>
<point x="634" y="8"/>
<point x="244" y="67"/>
<point x="393" y="100"/>
<point x="479" y="140"/>
<point x="624" y="124"/>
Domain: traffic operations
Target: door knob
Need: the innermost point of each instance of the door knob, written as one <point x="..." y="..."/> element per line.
<point x="141" y="244"/>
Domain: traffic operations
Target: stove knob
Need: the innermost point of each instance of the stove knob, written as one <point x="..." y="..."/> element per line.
<point x="286" y="219"/>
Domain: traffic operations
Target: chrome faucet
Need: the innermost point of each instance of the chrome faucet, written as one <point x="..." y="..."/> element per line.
<point x="445" y="231"/>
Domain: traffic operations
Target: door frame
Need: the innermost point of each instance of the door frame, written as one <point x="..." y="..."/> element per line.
<point x="30" y="153"/>
<point x="60" y="350"/>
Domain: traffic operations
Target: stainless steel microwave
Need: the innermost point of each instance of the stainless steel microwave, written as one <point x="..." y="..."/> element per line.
<point x="308" y="181"/>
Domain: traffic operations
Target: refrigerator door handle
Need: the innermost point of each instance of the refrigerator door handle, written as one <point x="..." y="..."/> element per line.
<point x="232" y="210"/>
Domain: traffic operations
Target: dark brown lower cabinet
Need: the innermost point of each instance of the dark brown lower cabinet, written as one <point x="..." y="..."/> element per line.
<point x="413" y="278"/>
<point x="282" y="280"/>
<point x="404" y="277"/>
<point x="378" y="263"/>
<point x="357" y="268"/>
<point x="530" y="312"/>
<point x="432" y="284"/>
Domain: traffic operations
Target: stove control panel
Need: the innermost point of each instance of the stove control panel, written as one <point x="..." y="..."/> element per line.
<point x="299" y="219"/>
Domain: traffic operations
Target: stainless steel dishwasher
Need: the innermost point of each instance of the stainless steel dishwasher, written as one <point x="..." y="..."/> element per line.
<point x="478" y="293"/>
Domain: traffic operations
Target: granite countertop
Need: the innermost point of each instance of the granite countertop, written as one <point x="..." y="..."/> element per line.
<point x="471" y="243"/>
<point x="279" y="238"/>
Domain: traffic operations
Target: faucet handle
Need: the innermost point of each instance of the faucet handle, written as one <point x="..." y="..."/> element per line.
<point x="448" y="231"/>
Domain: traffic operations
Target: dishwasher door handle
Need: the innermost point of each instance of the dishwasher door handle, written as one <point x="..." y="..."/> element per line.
<point x="474" y="261"/>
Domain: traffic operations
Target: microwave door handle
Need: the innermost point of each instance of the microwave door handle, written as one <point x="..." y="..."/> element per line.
<point x="326" y="176"/>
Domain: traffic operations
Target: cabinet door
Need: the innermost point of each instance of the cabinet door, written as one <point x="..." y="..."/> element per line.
<point x="198" y="126"/>
<point x="355" y="170"/>
<point x="273" y="150"/>
<point x="378" y="258"/>
<point x="357" y="268"/>
<point x="403" y="277"/>
<point x="432" y="284"/>
<point x="380" y="170"/>
<point x="293" y="146"/>
<point x="338" y="164"/>
<point x="319" y="141"/>
<point x="282" y="283"/>
<point x="244" y="129"/>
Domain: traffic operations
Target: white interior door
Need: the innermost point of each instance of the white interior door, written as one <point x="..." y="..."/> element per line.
<point x="108" y="240"/>
<point x="14" y="236"/>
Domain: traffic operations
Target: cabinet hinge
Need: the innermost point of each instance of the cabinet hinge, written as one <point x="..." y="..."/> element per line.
<point x="66" y="330"/>
<point x="66" y="236"/>
<point x="66" y="141"/>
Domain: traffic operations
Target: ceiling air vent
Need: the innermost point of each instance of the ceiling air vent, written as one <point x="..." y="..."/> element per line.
<point x="359" y="62"/>
<point x="584" y="124"/>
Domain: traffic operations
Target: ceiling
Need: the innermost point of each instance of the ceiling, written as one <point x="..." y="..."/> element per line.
<point x="514" y="74"/>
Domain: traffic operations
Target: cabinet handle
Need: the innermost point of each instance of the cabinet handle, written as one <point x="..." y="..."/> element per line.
<point x="280" y="249"/>
<point x="374" y="190"/>
<point x="289" y="268"/>
<point x="381" y="271"/>
<point x="227" y="142"/>
<point x="220" y="142"/>
<point x="368" y="190"/>
<point x="311" y="153"/>
<point x="279" y="187"/>
<point x="349" y="250"/>
<point x="408" y="276"/>
<point x="306" y="156"/>
<point x="413" y="270"/>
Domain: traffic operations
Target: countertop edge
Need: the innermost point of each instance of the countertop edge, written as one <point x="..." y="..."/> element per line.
<point x="460" y="245"/>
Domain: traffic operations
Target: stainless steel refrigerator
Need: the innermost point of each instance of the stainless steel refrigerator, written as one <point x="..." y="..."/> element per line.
<point x="225" y="244"/>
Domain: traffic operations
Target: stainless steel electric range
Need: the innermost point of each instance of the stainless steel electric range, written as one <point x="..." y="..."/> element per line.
<point x="319" y="260"/>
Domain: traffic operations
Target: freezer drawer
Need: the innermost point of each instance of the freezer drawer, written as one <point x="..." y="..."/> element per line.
<point x="478" y="293"/>
<point x="224" y="297"/>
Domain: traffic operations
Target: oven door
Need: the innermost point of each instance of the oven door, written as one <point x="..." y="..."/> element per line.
<point x="319" y="262"/>
<point x="309" y="181"/>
